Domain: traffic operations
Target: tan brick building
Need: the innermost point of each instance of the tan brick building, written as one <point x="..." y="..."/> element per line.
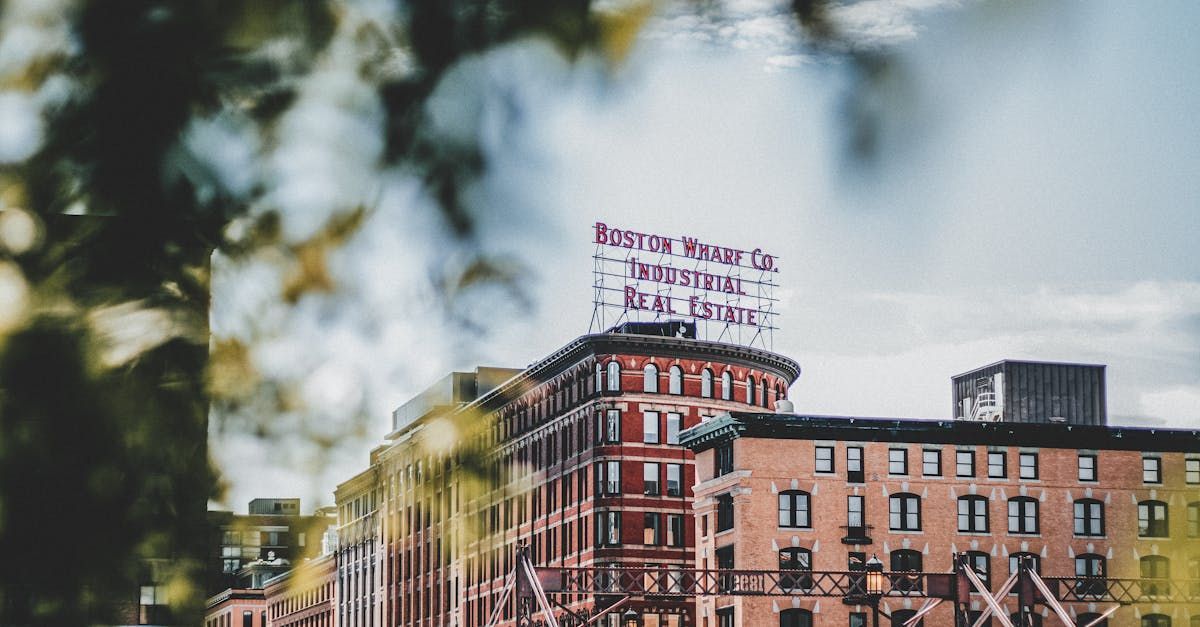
<point x="824" y="493"/>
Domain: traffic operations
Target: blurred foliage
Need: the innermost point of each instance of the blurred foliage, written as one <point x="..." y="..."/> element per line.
<point x="109" y="218"/>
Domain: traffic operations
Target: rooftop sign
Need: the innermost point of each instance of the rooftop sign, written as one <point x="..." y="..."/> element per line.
<point x="653" y="277"/>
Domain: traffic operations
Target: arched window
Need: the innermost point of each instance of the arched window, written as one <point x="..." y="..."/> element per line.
<point x="1155" y="567"/>
<point x="1156" y="620"/>
<point x="982" y="564"/>
<point x="904" y="512"/>
<point x="1022" y="515"/>
<point x="650" y="378"/>
<point x="903" y="561"/>
<point x="1014" y="561"/>
<point x="798" y="561"/>
<point x="1152" y="519"/>
<point x="614" y="376"/>
<point x="750" y="389"/>
<point x="1087" y="618"/>
<point x="1089" y="517"/>
<point x="599" y="382"/>
<point x="675" y="382"/>
<point x="1090" y="566"/>
<point x="727" y="386"/>
<point x="795" y="617"/>
<point x="706" y="383"/>
<point x="899" y="617"/>
<point x="794" y="509"/>
<point x="973" y="514"/>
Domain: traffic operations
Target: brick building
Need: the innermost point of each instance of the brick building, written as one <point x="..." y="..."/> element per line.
<point x="826" y="493"/>
<point x="272" y="529"/>
<point x="304" y="596"/>
<point x="236" y="607"/>
<point x="576" y="457"/>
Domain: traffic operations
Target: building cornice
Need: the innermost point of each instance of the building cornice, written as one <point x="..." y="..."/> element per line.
<point x="727" y="427"/>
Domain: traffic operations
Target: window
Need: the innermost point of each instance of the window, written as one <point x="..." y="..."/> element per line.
<point x="1193" y="519"/>
<point x="675" y="380"/>
<point x="650" y="427"/>
<point x="724" y="557"/>
<point x="1029" y="465"/>
<point x="608" y="478"/>
<point x="799" y="562"/>
<point x="855" y="526"/>
<point x="854" y="464"/>
<point x="905" y="561"/>
<point x="972" y="514"/>
<point x="650" y="479"/>
<point x="652" y="533"/>
<point x="675" y="530"/>
<point x="897" y="461"/>
<point x="795" y="617"/>
<point x="724" y="512"/>
<point x="247" y="619"/>
<point x="726" y="386"/>
<point x="1152" y="470"/>
<point x="997" y="465"/>
<point x="750" y="389"/>
<point x="931" y="463"/>
<point x="723" y="459"/>
<point x="904" y="512"/>
<point x="1155" y="567"/>
<point x="824" y="461"/>
<point x="762" y="393"/>
<point x="674" y="423"/>
<point x="650" y="379"/>
<point x="981" y="563"/>
<point x="1087" y="467"/>
<point x="973" y="619"/>
<point x="1156" y="620"/>
<point x="1089" y="517"/>
<point x="1014" y="561"/>
<point x="608" y="532"/>
<point x="674" y="480"/>
<point x="1022" y="515"/>
<point x="1191" y="471"/>
<point x="1090" y="566"/>
<point x="1152" y="519"/>
<point x="858" y="619"/>
<point x="899" y="617"/>
<point x="706" y="383"/>
<point x="599" y="381"/>
<point x="612" y="426"/>
<point x="614" y="376"/>
<point x="793" y="509"/>
<point x="964" y="463"/>
<point x="725" y="617"/>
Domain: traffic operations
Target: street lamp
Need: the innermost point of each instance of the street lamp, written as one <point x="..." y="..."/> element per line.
<point x="874" y="586"/>
<point x="630" y="618"/>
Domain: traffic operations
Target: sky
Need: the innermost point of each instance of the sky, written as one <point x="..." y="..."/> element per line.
<point x="1034" y="194"/>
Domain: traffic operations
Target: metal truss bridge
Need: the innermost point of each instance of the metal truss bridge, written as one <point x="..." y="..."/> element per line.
<point x="535" y="586"/>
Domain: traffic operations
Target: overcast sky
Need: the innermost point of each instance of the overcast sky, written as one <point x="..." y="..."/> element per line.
<point x="1036" y="195"/>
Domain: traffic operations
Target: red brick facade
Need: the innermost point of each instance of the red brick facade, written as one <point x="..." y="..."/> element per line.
<point x="446" y="546"/>
<point x="1015" y="499"/>
<point x="304" y="597"/>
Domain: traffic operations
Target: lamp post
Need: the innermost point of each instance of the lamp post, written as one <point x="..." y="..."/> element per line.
<point x="630" y="618"/>
<point x="874" y="586"/>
